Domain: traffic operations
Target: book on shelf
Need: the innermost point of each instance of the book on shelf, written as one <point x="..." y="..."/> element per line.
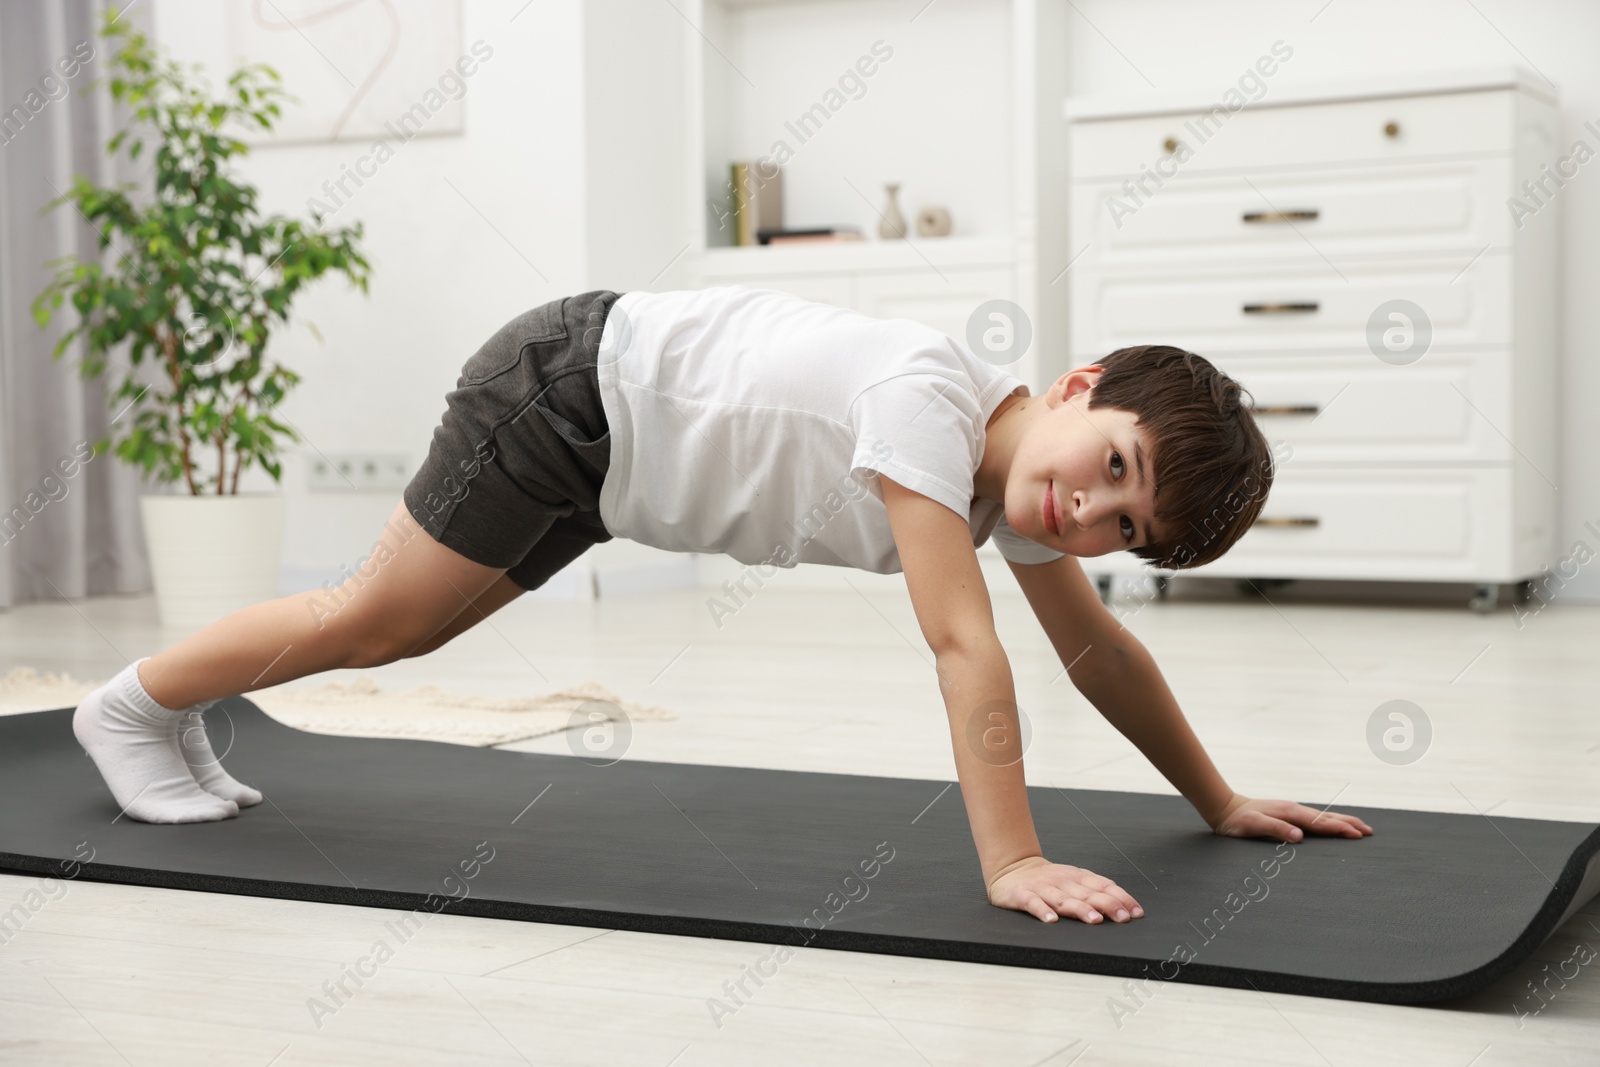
<point x="757" y="199"/>
<point x="815" y="235"/>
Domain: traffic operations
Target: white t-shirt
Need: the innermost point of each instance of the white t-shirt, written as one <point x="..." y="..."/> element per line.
<point x="754" y="423"/>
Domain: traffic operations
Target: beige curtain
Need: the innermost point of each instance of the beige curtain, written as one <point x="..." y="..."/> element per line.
<point x="68" y="528"/>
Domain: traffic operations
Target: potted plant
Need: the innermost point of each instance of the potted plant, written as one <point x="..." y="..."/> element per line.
<point x="198" y="283"/>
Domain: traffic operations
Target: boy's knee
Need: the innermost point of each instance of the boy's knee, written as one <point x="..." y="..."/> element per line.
<point x="379" y="649"/>
<point x="386" y="640"/>
<point x="425" y="647"/>
<point x="372" y="639"/>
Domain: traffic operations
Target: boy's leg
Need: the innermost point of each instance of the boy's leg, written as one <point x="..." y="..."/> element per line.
<point x="491" y="600"/>
<point x="491" y="486"/>
<point x="407" y="595"/>
<point x="143" y="729"/>
<point x="567" y="538"/>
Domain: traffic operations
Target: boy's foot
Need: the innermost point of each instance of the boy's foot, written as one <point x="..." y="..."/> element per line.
<point x="204" y="764"/>
<point x="134" y="744"/>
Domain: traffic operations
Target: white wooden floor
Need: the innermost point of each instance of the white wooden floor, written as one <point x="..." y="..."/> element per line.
<point x="840" y="681"/>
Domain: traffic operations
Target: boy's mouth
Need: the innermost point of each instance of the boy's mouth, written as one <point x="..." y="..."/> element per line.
<point x="1052" y="519"/>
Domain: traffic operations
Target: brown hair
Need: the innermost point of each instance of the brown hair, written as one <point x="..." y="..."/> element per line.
<point x="1211" y="464"/>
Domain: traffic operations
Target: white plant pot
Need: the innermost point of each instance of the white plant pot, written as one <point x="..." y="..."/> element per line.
<point x="212" y="555"/>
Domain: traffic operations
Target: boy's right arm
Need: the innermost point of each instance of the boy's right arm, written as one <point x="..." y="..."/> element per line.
<point x="987" y="743"/>
<point x="952" y="605"/>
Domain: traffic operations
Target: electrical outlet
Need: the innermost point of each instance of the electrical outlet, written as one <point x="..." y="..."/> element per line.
<point x="347" y="472"/>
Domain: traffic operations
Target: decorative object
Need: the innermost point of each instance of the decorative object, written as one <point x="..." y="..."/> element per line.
<point x="933" y="221"/>
<point x="892" y="226"/>
<point x="191" y="297"/>
<point x="371" y="67"/>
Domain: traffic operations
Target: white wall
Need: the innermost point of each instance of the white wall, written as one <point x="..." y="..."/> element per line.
<point x="1145" y="46"/>
<point x="637" y="127"/>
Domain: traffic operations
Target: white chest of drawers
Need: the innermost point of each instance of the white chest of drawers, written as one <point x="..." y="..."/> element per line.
<point x="1357" y="259"/>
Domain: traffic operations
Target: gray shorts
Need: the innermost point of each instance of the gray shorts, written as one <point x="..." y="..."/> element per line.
<point x="512" y="479"/>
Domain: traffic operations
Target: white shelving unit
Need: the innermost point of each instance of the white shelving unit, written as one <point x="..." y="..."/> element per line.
<point x="989" y="144"/>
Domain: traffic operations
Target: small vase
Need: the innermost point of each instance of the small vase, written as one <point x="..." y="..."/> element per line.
<point x="892" y="227"/>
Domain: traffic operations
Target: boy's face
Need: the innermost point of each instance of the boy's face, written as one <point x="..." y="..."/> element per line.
<point x="1075" y="482"/>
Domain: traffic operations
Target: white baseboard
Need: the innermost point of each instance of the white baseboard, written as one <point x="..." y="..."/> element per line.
<point x="678" y="573"/>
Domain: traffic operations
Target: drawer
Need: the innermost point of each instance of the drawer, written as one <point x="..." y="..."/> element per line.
<point x="1447" y="407"/>
<point x="1338" y="132"/>
<point x="1441" y="524"/>
<point x="1293" y="307"/>
<point x="1394" y="210"/>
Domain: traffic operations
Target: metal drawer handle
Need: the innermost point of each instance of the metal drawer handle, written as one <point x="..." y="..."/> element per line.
<point x="1288" y="520"/>
<point x="1305" y="214"/>
<point x="1278" y="309"/>
<point x="1287" y="409"/>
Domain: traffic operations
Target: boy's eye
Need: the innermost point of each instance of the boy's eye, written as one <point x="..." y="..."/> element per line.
<point x="1127" y="528"/>
<point x="1116" y="464"/>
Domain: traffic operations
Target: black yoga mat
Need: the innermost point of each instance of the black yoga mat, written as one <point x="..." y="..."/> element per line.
<point x="1432" y="906"/>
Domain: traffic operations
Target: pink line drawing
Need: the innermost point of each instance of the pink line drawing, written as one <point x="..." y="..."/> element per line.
<point x="328" y="12"/>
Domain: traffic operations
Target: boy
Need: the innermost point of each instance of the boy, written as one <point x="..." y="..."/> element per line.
<point x="724" y="420"/>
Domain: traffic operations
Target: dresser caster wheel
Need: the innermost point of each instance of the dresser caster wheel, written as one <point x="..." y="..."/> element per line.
<point x="1103" y="584"/>
<point x="1260" y="587"/>
<point x="1485" y="599"/>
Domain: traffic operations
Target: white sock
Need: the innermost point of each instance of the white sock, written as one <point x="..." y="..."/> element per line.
<point x="134" y="743"/>
<point x="205" y="765"/>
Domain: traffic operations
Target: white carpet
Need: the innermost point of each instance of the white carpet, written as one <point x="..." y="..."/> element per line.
<point x="361" y="709"/>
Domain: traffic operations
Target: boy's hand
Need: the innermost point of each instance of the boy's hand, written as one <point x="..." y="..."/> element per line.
<point x="1047" y="890"/>
<point x="1283" y="820"/>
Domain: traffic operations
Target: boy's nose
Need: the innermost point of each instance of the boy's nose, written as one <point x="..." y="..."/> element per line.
<point x="1083" y="510"/>
<point x="1093" y="511"/>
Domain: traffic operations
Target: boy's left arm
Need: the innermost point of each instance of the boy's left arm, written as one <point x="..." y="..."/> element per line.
<point x="1120" y="678"/>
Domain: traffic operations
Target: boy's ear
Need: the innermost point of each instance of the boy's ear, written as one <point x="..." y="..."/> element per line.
<point x="1074" y="382"/>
